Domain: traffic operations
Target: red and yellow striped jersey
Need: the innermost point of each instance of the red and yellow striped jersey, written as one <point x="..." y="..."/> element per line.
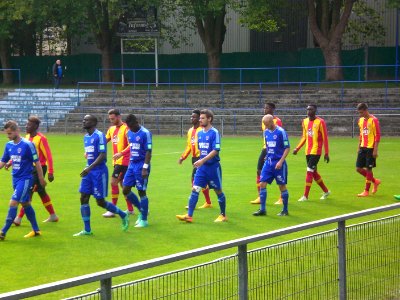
<point x="370" y="132"/>
<point x="43" y="149"/>
<point x="191" y="143"/>
<point x="277" y="122"/>
<point x="118" y="136"/>
<point x="315" y="135"/>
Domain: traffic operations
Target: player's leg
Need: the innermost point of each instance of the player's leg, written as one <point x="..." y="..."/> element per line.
<point x="260" y="164"/>
<point x="86" y="189"/>
<point x="129" y="204"/>
<point x="12" y="213"/>
<point x="141" y="186"/>
<point x="205" y="191"/>
<point x="267" y="175"/>
<point x="200" y="181"/>
<point x="281" y="176"/>
<point x="114" y="191"/>
<point x="215" y="182"/>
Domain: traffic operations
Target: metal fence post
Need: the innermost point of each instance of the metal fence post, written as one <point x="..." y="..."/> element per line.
<point x="243" y="272"/>
<point x="342" y="259"/>
<point x="105" y="289"/>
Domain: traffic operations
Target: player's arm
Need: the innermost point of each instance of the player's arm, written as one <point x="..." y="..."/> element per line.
<point x="122" y="153"/>
<point x="2" y="164"/>
<point x="148" y="147"/>
<point x="39" y="171"/>
<point x="201" y="162"/>
<point x="45" y="149"/>
<point x="302" y="140"/>
<point x="5" y="159"/>
<point x="377" y="137"/>
<point x="281" y="161"/>
<point x="324" y="133"/>
<point x="188" y="148"/>
<point x="102" y="156"/>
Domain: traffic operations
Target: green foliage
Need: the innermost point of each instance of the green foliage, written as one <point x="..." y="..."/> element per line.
<point x="12" y="11"/>
<point x="56" y="255"/>
<point x="394" y="3"/>
<point x="366" y="24"/>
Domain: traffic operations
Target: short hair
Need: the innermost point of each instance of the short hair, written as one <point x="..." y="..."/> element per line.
<point x="196" y="111"/>
<point x="93" y="118"/>
<point x="11" y="125"/>
<point x="313" y="105"/>
<point x="270" y="104"/>
<point x="208" y="113"/>
<point x="114" y="111"/>
<point x="131" y="119"/>
<point x="35" y="120"/>
<point x="362" y="106"/>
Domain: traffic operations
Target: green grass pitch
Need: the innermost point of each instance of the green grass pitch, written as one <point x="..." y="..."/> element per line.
<point x="56" y="255"/>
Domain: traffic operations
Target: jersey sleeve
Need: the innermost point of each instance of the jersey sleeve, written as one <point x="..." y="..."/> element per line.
<point x="217" y="142"/>
<point x="377" y="130"/>
<point x="32" y="148"/>
<point x="188" y="148"/>
<point x="6" y="156"/>
<point x="45" y="149"/>
<point x="102" y="143"/>
<point x="108" y="135"/>
<point x="303" y="137"/>
<point x="149" y="142"/>
<point x="285" y="139"/>
<point x="324" y="133"/>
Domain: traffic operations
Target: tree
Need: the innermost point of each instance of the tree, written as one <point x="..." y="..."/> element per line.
<point x="207" y="17"/>
<point x="11" y="12"/>
<point x="328" y="20"/>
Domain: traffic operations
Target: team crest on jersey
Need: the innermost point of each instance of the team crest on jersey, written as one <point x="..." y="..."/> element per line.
<point x="207" y="137"/>
<point x="115" y="139"/>
<point x="310" y="132"/>
<point x="275" y="136"/>
<point x="138" y="138"/>
<point x="365" y="131"/>
<point x="19" y="150"/>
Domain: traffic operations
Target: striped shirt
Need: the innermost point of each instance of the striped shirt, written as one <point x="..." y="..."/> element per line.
<point x="191" y="143"/>
<point x="43" y="149"/>
<point x="370" y="132"/>
<point x="118" y="136"/>
<point x="315" y="136"/>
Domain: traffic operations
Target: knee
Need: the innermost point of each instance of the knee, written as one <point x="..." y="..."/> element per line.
<point x="142" y="193"/>
<point x="263" y="185"/>
<point x="84" y="199"/>
<point x="359" y="170"/>
<point x="101" y="202"/>
<point x="126" y="190"/>
<point x="196" y="188"/>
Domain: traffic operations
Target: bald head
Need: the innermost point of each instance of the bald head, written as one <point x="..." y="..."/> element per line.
<point x="268" y="121"/>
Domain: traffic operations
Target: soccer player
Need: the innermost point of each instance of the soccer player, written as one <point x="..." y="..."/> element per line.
<point x="193" y="149"/>
<point x="140" y="147"/>
<point x="370" y="135"/>
<point x="315" y="136"/>
<point x="275" y="166"/>
<point x="208" y="167"/>
<point x="46" y="161"/>
<point x="269" y="109"/>
<point x="23" y="155"/>
<point x="117" y="135"/>
<point x="95" y="176"/>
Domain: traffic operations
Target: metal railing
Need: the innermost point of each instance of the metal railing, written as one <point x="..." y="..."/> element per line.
<point x="278" y="73"/>
<point x="241" y="275"/>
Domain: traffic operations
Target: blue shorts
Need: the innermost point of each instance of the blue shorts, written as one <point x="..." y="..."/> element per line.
<point x="95" y="183"/>
<point x="133" y="176"/>
<point x="210" y="175"/>
<point x="269" y="173"/>
<point x="22" y="189"/>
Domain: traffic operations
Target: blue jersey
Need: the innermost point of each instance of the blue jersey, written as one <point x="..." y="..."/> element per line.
<point x="276" y="141"/>
<point x="94" y="145"/>
<point x="207" y="142"/>
<point x="140" y="142"/>
<point x="23" y="155"/>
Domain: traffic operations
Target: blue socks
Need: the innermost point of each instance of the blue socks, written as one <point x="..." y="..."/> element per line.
<point x="12" y="213"/>
<point x="222" y="203"/>
<point x="263" y="199"/>
<point x="134" y="200"/>
<point x="194" y="197"/>
<point x="285" y="199"/>
<point x="30" y="214"/>
<point x="114" y="209"/>
<point x="85" y="212"/>
<point x="144" y="203"/>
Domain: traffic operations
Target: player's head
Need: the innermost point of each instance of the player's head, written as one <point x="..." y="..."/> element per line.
<point x="132" y="122"/>
<point x="206" y="117"/>
<point x="32" y="125"/>
<point x="195" y="117"/>
<point x="362" y="109"/>
<point x="269" y="108"/>
<point x="114" y="116"/>
<point x="89" y="122"/>
<point x="311" y="110"/>
<point x="268" y="121"/>
<point x="12" y="130"/>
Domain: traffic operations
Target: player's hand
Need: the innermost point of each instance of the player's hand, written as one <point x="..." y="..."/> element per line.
<point x="117" y="155"/>
<point x="50" y="177"/>
<point x="198" y="164"/>
<point x="278" y="165"/>
<point x="326" y="158"/>
<point x="180" y="160"/>
<point x="295" y="151"/>
<point x="375" y="153"/>
<point x="85" y="172"/>
<point x="145" y="173"/>
<point x="7" y="166"/>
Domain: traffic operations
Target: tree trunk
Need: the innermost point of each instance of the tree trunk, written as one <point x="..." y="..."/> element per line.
<point x="214" y="73"/>
<point x="5" y="61"/>
<point x="106" y="63"/>
<point x="333" y="63"/>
